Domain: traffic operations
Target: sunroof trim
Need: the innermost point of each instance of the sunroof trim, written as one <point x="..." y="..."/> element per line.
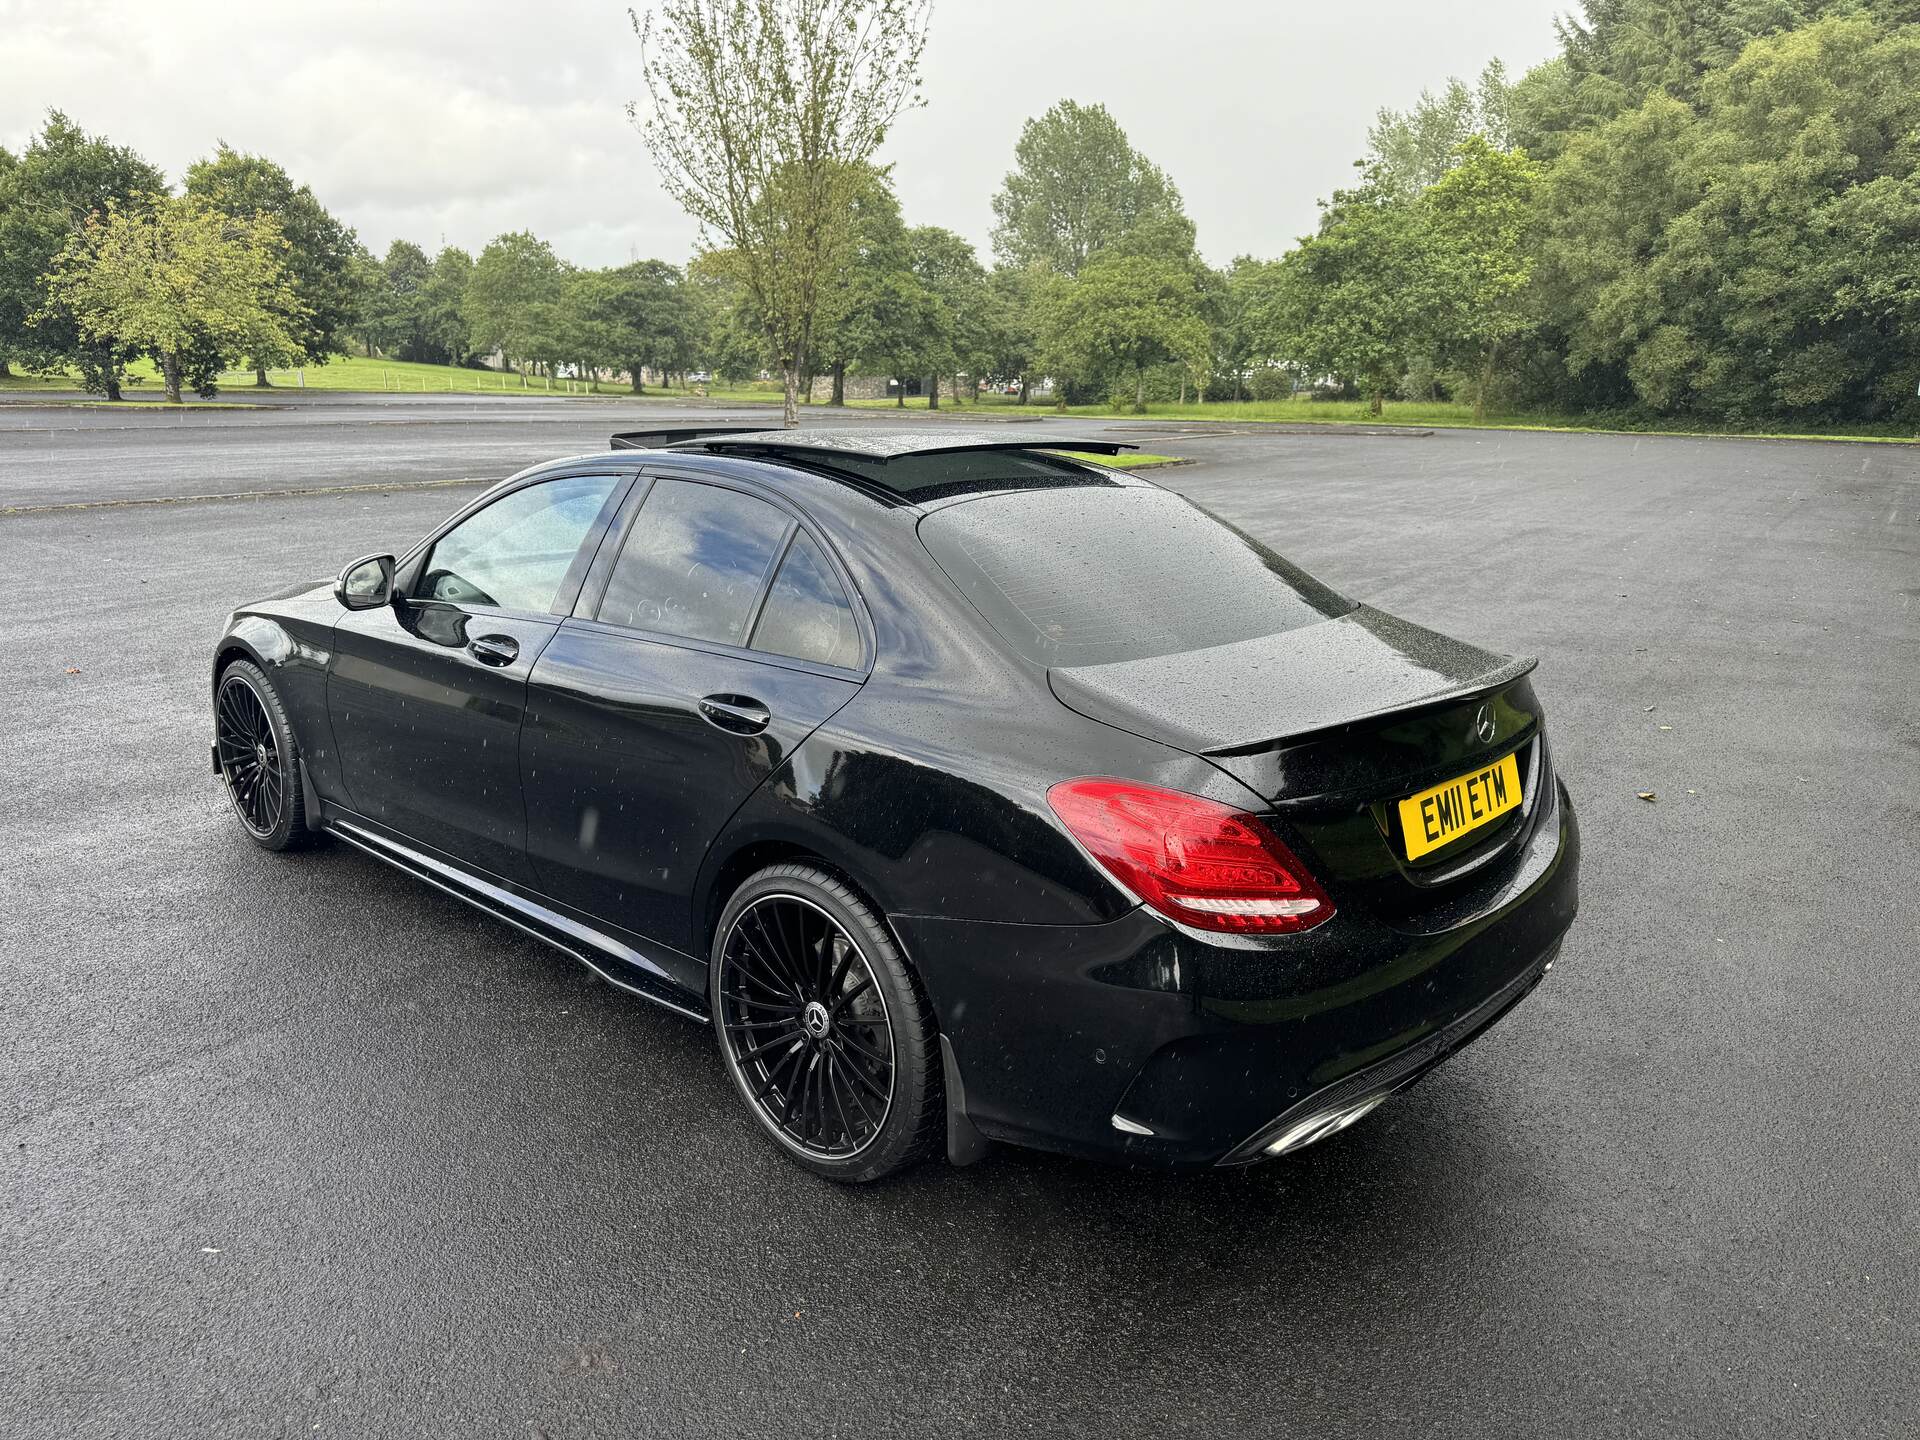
<point x="878" y="445"/>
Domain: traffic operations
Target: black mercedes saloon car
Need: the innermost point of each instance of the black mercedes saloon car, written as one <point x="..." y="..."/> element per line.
<point x="970" y="792"/>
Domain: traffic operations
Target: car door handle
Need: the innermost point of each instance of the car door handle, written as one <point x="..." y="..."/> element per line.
<point x="495" y="649"/>
<point x="738" y="714"/>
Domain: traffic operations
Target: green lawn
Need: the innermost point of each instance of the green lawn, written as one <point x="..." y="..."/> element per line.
<point x="1426" y="414"/>
<point x="358" y="373"/>
<point x="1120" y="462"/>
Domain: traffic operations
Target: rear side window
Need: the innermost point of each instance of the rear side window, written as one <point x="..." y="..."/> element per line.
<point x="807" y="614"/>
<point x="695" y="563"/>
<point x="1092" y="576"/>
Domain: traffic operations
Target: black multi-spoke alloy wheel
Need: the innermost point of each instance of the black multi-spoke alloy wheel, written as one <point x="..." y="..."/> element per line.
<point x="824" y="1027"/>
<point x="259" y="759"/>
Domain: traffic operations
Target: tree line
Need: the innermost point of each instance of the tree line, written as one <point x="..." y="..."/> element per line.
<point x="1694" y="209"/>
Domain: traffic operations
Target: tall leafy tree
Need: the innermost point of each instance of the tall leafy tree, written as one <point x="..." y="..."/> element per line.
<point x="954" y="279"/>
<point x="1480" y="218"/>
<point x="763" y="117"/>
<point x="395" y="317"/>
<point x="1125" y="313"/>
<point x="443" y="316"/>
<point x="1416" y="147"/>
<point x="512" y="297"/>
<point x="651" y="319"/>
<point x="863" y="302"/>
<point x="1240" y="340"/>
<point x="320" y="250"/>
<point x="46" y="194"/>
<point x="1361" y="295"/>
<point x="1012" y="329"/>
<point x="182" y="281"/>
<point x="1077" y="185"/>
<point x="1700" y="257"/>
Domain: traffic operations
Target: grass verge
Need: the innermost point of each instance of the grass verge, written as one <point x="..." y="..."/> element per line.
<point x="1424" y="414"/>
<point x="359" y="375"/>
<point x="1121" y="462"/>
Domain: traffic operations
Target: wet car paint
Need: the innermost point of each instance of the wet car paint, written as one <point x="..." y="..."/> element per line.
<point x="1062" y="999"/>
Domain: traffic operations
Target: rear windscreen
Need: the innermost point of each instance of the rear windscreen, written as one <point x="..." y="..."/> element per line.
<point x="1091" y="576"/>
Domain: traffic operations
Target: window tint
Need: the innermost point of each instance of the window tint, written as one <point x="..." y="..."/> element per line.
<point x="515" y="553"/>
<point x="695" y="562"/>
<point x="1084" y="577"/>
<point x="807" y="615"/>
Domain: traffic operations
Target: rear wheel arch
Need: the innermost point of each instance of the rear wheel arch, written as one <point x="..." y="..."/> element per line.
<point x="745" y="861"/>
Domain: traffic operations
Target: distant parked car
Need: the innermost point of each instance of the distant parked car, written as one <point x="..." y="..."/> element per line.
<point x="968" y="792"/>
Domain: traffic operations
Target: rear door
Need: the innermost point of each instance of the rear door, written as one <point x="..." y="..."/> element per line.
<point x="426" y="695"/>
<point x="719" y="636"/>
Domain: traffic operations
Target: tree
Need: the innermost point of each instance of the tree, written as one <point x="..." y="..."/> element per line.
<point x="1414" y="148"/>
<point x="1361" y="295"/>
<point x="632" y="318"/>
<point x="1239" y="340"/>
<point x="763" y="117"/>
<point x="1127" y="312"/>
<point x="855" y="311"/>
<point x="1013" y="334"/>
<point x="732" y="339"/>
<point x="320" y="250"/>
<point x="1707" y="257"/>
<point x="1480" y="214"/>
<point x="46" y="194"/>
<point x="180" y="280"/>
<point x="654" y="320"/>
<point x="946" y="267"/>
<point x="1077" y="184"/>
<point x="898" y="330"/>
<point x="395" y="315"/>
<point x="443" y="318"/>
<point x="510" y="298"/>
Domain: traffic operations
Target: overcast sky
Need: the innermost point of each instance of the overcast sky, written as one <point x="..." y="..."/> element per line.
<point x="457" y="121"/>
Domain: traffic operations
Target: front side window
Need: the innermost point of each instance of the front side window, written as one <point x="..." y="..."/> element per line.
<point x="695" y="563"/>
<point x="517" y="551"/>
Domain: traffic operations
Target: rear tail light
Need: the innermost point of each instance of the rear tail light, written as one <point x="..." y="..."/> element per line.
<point x="1193" y="860"/>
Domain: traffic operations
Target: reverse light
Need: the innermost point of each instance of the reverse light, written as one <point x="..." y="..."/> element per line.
<point x="1191" y="859"/>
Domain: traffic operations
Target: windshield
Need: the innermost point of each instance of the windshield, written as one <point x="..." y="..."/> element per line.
<point x="1091" y="576"/>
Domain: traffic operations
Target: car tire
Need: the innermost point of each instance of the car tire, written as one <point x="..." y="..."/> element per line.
<point x="259" y="759"/>
<point x="809" y="992"/>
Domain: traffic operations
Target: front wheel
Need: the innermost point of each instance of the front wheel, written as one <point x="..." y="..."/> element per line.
<point x="824" y="1027"/>
<point x="259" y="758"/>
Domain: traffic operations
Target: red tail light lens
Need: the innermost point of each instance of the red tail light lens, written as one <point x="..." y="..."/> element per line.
<point x="1194" y="860"/>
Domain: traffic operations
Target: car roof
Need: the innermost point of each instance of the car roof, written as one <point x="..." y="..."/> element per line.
<point x="867" y="442"/>
<point x="900" y="469"/>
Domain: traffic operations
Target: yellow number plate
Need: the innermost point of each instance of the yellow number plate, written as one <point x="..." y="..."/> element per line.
<point x="1446" y="812"/>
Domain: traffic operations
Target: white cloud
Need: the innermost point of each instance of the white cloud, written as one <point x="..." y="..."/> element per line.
<point x="463" y="120"/>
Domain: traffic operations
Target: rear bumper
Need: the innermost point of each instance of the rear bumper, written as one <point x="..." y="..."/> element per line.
<point x="1133" y="1041"/>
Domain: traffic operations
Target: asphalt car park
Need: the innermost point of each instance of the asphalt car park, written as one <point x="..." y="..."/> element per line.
<point x="297" y="1145"/>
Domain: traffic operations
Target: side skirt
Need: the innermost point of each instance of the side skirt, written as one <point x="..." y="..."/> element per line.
<point x="600" y="953"/>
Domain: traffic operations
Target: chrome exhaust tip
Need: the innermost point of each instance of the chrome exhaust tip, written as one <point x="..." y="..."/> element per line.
<point x="1319" y="1127"/>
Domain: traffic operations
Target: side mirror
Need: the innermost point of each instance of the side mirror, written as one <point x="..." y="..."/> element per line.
<point x="366" y="583"/>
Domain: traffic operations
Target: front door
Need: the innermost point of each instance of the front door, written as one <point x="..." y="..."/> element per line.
<point x="427" y="695"/>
